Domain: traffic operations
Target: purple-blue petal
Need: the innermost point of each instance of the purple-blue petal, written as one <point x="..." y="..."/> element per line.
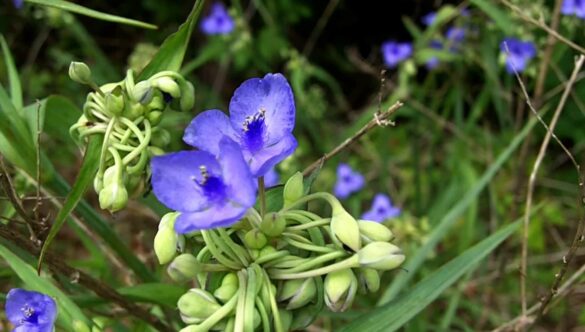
<point x="213" y="217"/>
<point x="32" y="309"/>
<point x="175" y="177"/>
<point x="348" y="181"/>
<point x="207" y="129"/>
<point x="266" y="158"/>
<point x="18" y="3"/>
<point x="236" y="175"/>
<point x="429" y="18"/>
<point x="394" y="52"/>
<point x="218" y="22"/>
<point x="271" y="94"/>
<point x="271" y="178"/>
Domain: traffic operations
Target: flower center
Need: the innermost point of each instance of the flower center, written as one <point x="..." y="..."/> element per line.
<point x="253" y="129"/>
<point x="381" y="210"/>
<point x="213" y="187"/>
<point x="29" y="313"/>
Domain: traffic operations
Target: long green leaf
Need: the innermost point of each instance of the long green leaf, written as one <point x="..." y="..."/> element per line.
<point x="83" y="181"/>
<point x="68" y="311"/>
<point x="439" y="232"/>
<point x="172" y="51"/>
<point x="155" y="293"/>
<point x="499" y="16"/>
<point x="75" y="8"/>
<point x="395" y="314"/>
<point x="15" y="87"/>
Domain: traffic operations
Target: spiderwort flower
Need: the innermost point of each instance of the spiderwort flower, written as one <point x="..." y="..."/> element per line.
<point x="395" y="52"/>
<point x="455" y="35"/>
<point x="18" y="3"/>
<point x="262" y="118"/>
<point x="218" y="22"/>
<point x="518" y="53"/>
<point x="574" y="7"/>
<point x="433" y="62"/>
<point x="381" y="210"/>
<point x="271" y="178"/>
<point x="208" y="191"/>
<point x="429" y="18"/>
<point x="348" y="181"/>
<point x="30" y="311"/>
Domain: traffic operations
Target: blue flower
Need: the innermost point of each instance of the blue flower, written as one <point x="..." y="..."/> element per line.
<point x="271" y="178"/>
<point x="30" y="311"/>
<point x="218" y="22"/>
<point x="574" y="7"/>
<point x="348" y="181"/>
<point x="209" y="190"/>
<point x="433" y="62"/>
<point x="455" y="35"/>
<point x="394" y="52"/>
<point x="18" y="3"/>
<point x="262" y="118"/>
<point x="429" y="18"/>
<point x="381" y="210"/>
<point x="518" y="54"/>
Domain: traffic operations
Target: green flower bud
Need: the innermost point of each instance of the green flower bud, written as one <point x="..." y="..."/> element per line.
<point x="166" y="240"/>
<point x="154" y="151"/>
<point x="142" y="92"/>
<point x="344" y="228"/>
<point x="369" y="280"/>
<point x="154" y="117"/>
<point x="113" y="197"/>
<point x="286" y="318"/>
<point x="80" y="72"/>
<point x="197" y="305"/>
<point x="184" y="267"/>
<point x="381" y="256"/>
<point x="160" y="137"/>
<point x="298" y="292"/>
<point x="293" y="189"/>
<point x="98" y="183"/>
<point x="229" y="287"/>
<point x="157" y="102"/>
<point x="167" y="85"/>
<point x="135" y="184"/>
<point x="255" y="239"/>
<point x="372" y="231"/>
<point x="340" y="289"/>
<point x="79" y="326"/>
<point x="273" y="224"/>
<point x="133" y="110"/>
<point x="303" y="318"/>
<point x="115" y="101"/>
<point x="187" y="97"/>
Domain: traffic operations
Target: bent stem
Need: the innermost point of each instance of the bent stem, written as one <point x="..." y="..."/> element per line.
<point x="348" y="263"/>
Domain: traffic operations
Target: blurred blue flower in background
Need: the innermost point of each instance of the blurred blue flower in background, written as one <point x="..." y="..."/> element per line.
<point x="218" y="22"/>
<point x="455" y="35"/>
<point x="18" y="3"/>
<point x="433" y="62"/>
<point x="262" y="118"/>
<point x="381" y="209"/>
<point x="429" y="18"/>
<point x="30" y="311"/>
<point x="518" y="53"/>
<point x="348" y="181"/>
<point x="209" y="191"/>
<point x="271" y="178"/>
<point x="574" y="7"/>
<point x="394" y="52"/>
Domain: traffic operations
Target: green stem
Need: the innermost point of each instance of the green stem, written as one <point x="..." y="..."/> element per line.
<point x="263" y="315"/>
<point x="249" y="302"/>
<point x="217" y="253"/>
<point x="144" y="140"/>
<point x="314" y="261"/>
<point x="270" y="257"/>
<point x="349" y="263"/>
<point x="316" y="223"/>
<point x="262" y="194"/>
<point x="321" y="195"/>
<point x="238" y="251"/>
<point x="105" y="146"/>
<point x="289" y="238"/>
<point x="273" y="305"/>
<point x="220" y="314"/>
<point x="240" y="310"/>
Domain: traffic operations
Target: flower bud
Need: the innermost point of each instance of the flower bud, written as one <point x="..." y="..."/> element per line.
<point x="285" y="319"/>
<point x="113" y="197"/>
<point x="157" y="102"/>
<point x="154" y="117"/>
<point x="168" y="85"/>
<point x="298" y="292"/>
<point x="372" y="231"/>
<point x="142" y="92"/>
<point x="187" y="97"/>
<point x="154" y="151"/>
<point x="293" y="189"/>
<point x="98" y="183"/>
<point x="255" y="239"/>
<point x="197" y="305"/>
<point x="369" y="280"/>
<point x="184" y="267"/>
<point x="345" y="228"/>
<point x="273" y="224"/>
<point x="80" y="72"/>
<point x="340" y="289"/>
<point x="381" y="256"/>
<point x="115" y="101"/>
<point x="135" y="184"/>
<point x="303" y="318"/>
<point x="229" y="287"/>
<point x="166" y="239"/>
<point x="160" y="137"/>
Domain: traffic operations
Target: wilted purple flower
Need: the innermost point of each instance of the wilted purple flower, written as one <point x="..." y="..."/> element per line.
<point x="218" y="22"/>
<point x="394" y="52"/>
<point x="271" y="178"/>
<point x="30" y="311"/>
<point x="262" y="118"/>
<point x="209" y="191"/>
<point x="574" y="7"/>
<point x="518" y="53"/>
<point x="429" y="18"/>
<point x="348" y="181"/>
<point x="433" y="62"/>
<point x="381" y="209"/>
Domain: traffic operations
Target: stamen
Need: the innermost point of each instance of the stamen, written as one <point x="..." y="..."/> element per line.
<point x="28" y="311"/>
<point x="251" y="118"/>
<point x="204" y="174"/>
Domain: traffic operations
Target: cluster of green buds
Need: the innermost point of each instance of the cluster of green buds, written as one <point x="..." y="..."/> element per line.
<point x="126" y="116"/>
<point x="276" y="271"/>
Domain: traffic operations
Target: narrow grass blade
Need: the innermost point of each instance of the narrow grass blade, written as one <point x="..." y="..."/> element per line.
<point x="15" y="87"/>
<point x="395" y="314"/>
<point x="77" y="9"/>
<point x="500" y="17"/>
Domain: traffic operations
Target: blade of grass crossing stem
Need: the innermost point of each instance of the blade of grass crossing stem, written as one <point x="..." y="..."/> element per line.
<point x="439" y="232"/>
<point x="77" y="9"/>
<point x="82" y="182"/>
<point x="15" y="87"/>
<point x="172" y="51"/>
<point x="68" y="311"/>
<point x="395" y="314"/>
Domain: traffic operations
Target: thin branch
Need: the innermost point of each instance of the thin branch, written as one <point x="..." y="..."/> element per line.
<point x="380" y="119"/>
<point x="56" y="264"/>
<point x="319" y="27"/>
